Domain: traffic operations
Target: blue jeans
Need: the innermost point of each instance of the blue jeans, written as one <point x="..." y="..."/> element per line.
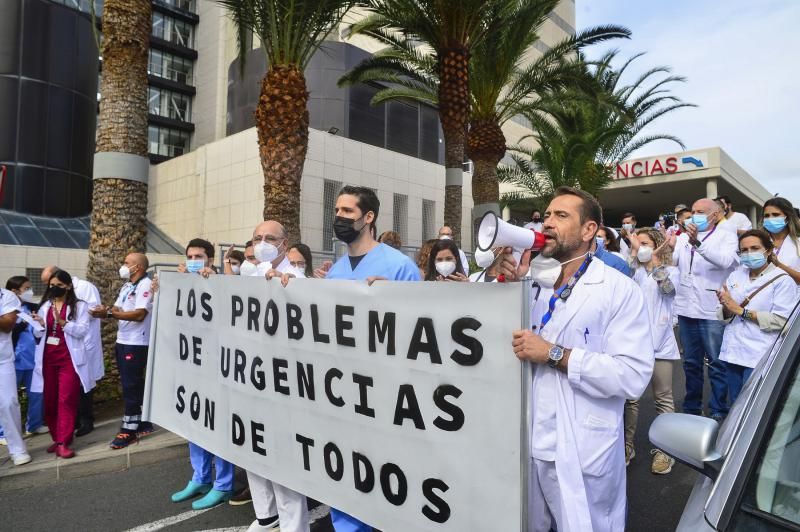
<point x="737" y="377"/>
<point x="703" y="339"/>
<point x="24" y="378"/>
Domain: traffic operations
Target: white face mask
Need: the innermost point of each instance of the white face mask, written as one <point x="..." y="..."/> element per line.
<point x="445" y="237"/>
<point x="645" y="254"/>
<point x="27" y="296"/>
<point x="300" y="273"/>
<point x="546" y="271"/>
<point x="248" y="269"/>
<point x="236" y="269"/>
<point x="446" y="268"/>
<point x="124" y="272"/>
<point x="484" y="259"/>
<point x="265" y="252"/>
<point x="628" y="227"/>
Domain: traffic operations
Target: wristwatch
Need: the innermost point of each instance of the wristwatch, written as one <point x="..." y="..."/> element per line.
<point x="554" y="356"/>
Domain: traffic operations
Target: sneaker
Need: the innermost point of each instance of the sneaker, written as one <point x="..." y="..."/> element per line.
<point x="630" y="453"/>
<point x="662" y="463"/>
<point x="241" y="498"/>
<point x="145" y="429"/>
<point x="42" y="429"/>
<point x="211" y="499"/>
<point x="272" y="522"/>
<point x="21" y="459"/>
<point x="123" y="439"/>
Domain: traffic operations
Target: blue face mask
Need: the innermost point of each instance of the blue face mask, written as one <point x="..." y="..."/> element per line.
<point x="601" y="242"/>
<point x="775" y="225"/>
<point x="753" y="260"/>
<point x="194" y="265"/>
<point x="701" y="221"/>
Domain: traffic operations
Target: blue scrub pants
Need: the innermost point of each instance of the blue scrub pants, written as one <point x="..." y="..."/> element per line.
<point x="201" y="464"/>
<point x="347" y="523"/>
<point x="24" y="377"/>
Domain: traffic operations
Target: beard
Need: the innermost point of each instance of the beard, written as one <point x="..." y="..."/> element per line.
<point x="562" y="249"/>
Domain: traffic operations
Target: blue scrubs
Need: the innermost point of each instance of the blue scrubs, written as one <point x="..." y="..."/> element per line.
<point x="613" y="261"/>
<point x="381" y="261"/>
<point x="201" y="464"/>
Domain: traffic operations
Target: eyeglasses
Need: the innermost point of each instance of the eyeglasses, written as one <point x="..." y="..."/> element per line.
<point x="266" y="238"/>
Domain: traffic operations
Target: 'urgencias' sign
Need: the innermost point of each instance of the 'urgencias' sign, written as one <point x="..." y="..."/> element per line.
<point x="399" y="403"/>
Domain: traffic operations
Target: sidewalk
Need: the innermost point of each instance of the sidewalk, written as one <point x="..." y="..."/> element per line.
<point x="92" y="456"/>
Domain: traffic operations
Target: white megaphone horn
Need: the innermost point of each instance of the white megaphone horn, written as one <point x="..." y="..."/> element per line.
<point x="494" y="232"/>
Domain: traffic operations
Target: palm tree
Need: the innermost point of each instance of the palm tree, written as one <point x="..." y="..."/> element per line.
<point x="119" y="196"/>
<point x="447" y="32"/>
<point x="290" y="34"/>
<point x="581" y="135"/>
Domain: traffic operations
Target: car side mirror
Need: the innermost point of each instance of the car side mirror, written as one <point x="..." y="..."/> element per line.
<point x="690" y="440"/>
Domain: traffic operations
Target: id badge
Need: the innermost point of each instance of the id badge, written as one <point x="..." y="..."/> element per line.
<point x="686" y="279"/>
<point x="53" y="340"/>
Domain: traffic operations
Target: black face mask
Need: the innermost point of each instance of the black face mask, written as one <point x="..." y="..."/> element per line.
<point x="344" y="230"/>
<point x="57" y="291"/>
<point x="536" y="219"/>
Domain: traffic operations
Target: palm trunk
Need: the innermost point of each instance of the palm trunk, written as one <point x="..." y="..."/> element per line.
<point x="119" y="202"/>
<point x="486" y="147"/>
<point x="453" y="114"/>
<point x="282" y="125"/>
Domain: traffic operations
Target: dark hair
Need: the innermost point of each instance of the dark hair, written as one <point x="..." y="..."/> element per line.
<point x="441" y="245"/>
<point x="629" y="215"/>
<point x="726" y="199"/>
<point x="367" y="199"/>
<point x="248" y="244"/>
<point x="70" y="299"/>
<point x="391" y="238"/>
<point x="680" y="212"/>
<point x="788" y="210"/>
<point x="590" y="209"/>
<point x="423" y="254"/>
<point x="16" y="282"/>
<point x="760" y="234"/>
<point x="305" y="251"/>
<point x="207" y="246"/>
<point x="611" y="243"/>
<point x="536" y="210"/>
<point x="237" y="255"/>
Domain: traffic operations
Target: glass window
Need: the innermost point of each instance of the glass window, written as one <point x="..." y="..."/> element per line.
<point x="400" y="216"/>
<point x="402" y="128"/>
<point x="329" y="194"/>
<point x="167" y="142"/>
<point x="169" y="66"/>
<point x="169" y="104"/>
<point x="172" y="30"/>
<point x="773" y="494"/>
<point x="367" y="121"/>
<point x="428" y="219"/>
<point x="186" y="5"/>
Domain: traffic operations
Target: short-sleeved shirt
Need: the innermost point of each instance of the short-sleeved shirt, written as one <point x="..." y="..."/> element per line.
<point x="381" y="261"/>
<point x="9" y="303"/>
<point x="134" y="296"/>
<point x="737" y="222"/>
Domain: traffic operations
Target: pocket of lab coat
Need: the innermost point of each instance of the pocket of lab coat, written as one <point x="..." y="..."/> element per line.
<point x="598" y="444"/>
<point x="709" y="302"/>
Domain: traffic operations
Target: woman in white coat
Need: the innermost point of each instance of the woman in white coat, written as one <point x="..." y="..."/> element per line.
<point x="62" y="364"/>
<point x="757" y="299"/>
<point x="651" y="260"/>
<point x="783" y="224"/>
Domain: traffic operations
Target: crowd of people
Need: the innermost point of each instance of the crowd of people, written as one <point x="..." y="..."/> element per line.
<point x="612" y="313"/>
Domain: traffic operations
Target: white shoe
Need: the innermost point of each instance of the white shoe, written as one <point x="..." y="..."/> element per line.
<point x="255" y="527"/>
<point x="42" y="430"/>
<point x="21" y="459"/>
<point x="3" y="441"/>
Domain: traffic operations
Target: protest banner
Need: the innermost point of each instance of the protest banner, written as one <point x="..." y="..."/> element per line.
<point x="400" y="403"/>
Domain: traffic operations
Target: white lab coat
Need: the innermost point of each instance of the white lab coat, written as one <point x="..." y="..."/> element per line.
<point x="86" y="291"/>
<point x="662" y="314"/>
<point x="75" y="332"/>
<point x="606" y="325"/>
<point x="714" y="261"/>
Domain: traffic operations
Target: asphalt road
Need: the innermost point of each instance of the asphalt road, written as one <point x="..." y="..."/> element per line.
<point x="129" y="499"/>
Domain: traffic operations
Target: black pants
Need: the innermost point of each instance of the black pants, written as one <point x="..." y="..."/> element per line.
<point x="86" y="408"/>
<point x="132" y="363"/>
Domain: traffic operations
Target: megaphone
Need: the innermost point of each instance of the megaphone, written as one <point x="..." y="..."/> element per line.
<point x="484" y="259"/>
<point x="495" y="232"/>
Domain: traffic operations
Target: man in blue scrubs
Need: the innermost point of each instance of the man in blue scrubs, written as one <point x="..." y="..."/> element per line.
<point x="366" y="259"/>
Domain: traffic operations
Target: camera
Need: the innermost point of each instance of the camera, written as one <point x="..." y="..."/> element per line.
<point x="669" y="219"/>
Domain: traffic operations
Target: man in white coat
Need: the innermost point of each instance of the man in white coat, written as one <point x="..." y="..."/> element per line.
<point x="591" y="349"/>
<point x="93" y="345"/>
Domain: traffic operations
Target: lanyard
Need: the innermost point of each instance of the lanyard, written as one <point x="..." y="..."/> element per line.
<point x="691" y="260"/>
<point x="131" y="290"/>
<point x="55" y="315"/>
<point x="565" y="291"/>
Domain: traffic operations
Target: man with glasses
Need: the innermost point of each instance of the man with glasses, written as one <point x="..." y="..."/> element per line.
<point x="270" y="244"/>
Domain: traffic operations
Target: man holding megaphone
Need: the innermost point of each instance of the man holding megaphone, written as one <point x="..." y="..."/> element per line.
<point x="591" y="349"/>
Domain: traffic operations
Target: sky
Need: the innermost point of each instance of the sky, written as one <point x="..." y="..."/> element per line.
<point x="741" y="59"/>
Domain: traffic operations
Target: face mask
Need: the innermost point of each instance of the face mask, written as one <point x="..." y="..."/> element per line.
<point x="194" y="265"/>
<point x="57" y="291"/>
<point x="300" y="273"/>
<point x="484" y="259"/>
<point x="445" y="268"/>
<point x="644" y="254"/>
<point x="537" y="220"/>
<point x="236" y="269"/>
<point x="753" y="260"/>
<point x="628" y="227"/>
<point x="265" y="252"/>
<point x="775" y="225"/>
<point x="701" y="221"/>
<point x="124" y="272"/>
<point x="248" y="269"/>
<point x="27" y="296"/>
<point x="445" y="237"/>
<point x="546" y="271"/>
<point x="601" y="242"/>
<point x="345" y="231"/>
